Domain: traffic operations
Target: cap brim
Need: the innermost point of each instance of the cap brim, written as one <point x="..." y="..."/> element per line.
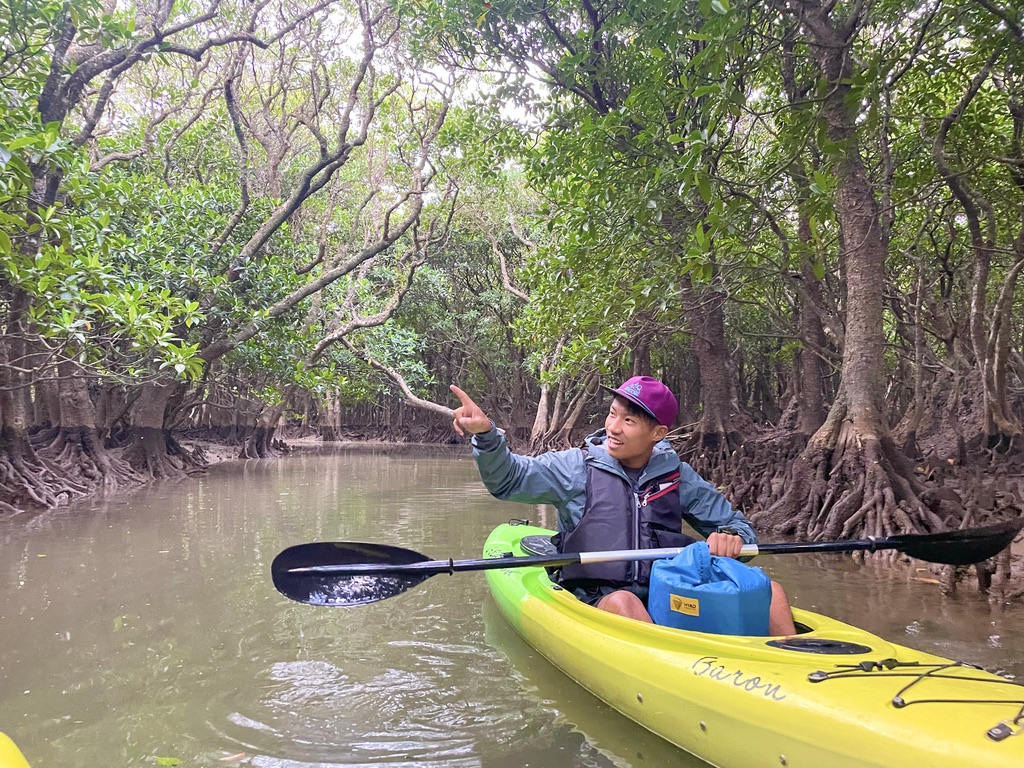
<point x="634" y="401"/>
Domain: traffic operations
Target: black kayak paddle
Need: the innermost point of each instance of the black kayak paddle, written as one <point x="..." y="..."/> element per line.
<point x="353" y="573"/>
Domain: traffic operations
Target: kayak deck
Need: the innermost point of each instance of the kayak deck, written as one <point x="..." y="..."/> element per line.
<point x="833" y="696"/>
<point x="10" y="755"/>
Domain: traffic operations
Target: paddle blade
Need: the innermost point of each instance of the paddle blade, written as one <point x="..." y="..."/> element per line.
<point x="971" y="545"/>
<point x="340" y="589"/>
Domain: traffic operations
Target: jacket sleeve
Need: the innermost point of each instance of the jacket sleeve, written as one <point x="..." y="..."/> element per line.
<point x="707" y="510"/>
<point x="551" y="478"/>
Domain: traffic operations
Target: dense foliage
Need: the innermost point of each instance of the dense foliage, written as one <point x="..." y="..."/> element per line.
<point x="806" y="217"/>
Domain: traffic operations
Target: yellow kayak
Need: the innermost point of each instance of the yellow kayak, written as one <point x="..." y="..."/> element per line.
<point x="834" y="696"/>
<point x="10" y="755"/>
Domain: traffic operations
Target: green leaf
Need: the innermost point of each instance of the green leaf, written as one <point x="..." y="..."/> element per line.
<point x="22" y="141"/>
<point x="704" y="185"/>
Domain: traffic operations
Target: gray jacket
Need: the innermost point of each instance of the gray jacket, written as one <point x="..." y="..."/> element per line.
<point x="559" y="478"/>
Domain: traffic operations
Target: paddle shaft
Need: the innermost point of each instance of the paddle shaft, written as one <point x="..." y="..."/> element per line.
<point x="431" y="567"/>
<point x="454" y="566"/>
<point x="357" y="573"/>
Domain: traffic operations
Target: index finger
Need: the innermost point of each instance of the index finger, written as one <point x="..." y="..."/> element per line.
<point x="463" y="397"/>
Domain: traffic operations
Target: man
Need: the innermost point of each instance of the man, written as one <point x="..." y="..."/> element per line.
<point x="626" y="489"/>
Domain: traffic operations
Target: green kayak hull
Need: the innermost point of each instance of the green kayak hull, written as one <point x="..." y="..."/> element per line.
<point x="835" y="696"/>
<point x="10" y="755"/>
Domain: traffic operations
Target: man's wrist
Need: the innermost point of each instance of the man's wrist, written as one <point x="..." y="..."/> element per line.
<point x="487" y="441"/>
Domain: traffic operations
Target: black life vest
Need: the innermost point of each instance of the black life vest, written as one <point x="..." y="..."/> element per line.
<point x="616" y="517"/>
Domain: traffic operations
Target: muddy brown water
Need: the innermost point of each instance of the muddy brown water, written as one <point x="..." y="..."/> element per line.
<point x="144" y="630"/>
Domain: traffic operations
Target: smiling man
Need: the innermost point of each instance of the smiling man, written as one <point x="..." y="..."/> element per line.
<point x="625" y="489"/>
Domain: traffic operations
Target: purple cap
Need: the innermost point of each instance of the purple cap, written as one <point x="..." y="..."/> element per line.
<point x="651" y="395"/>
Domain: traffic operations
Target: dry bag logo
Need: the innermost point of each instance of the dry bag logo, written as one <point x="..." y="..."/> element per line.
<point x="687" y="605"/>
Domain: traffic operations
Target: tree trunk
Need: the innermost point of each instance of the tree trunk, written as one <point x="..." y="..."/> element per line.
<point x="989" y="335"/>
<point x="810" y="373"/>
<point x="153" y="450"/>
<point x="851" y="480"/>
<point x="540" y="420"/>
<point x="27" y="481"/>
<point x="47" y="401"/>
<point x="1002" y="426"/>
<point x="75" y="444"/>
<point x="260" y="443"/>
<point x="330" y="422"/>
<point x="714" y="438"/>
<point x="554" y="427"/>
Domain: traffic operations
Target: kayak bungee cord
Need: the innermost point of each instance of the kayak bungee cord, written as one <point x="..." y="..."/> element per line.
<point x="884" y="669"/>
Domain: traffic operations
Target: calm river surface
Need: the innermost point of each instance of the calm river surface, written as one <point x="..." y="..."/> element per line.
<point x="145" y="629"/>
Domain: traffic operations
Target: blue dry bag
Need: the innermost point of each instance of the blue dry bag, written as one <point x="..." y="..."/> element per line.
<point x="700" y="592"/>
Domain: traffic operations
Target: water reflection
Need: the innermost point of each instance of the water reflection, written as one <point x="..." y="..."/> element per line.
<point x="618" y="740"/>
<point x="147" y="626"/>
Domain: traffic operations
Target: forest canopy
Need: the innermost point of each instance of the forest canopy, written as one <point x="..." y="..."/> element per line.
<point x="258" y="221"/>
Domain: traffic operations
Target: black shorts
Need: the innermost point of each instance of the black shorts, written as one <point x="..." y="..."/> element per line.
<point x="592" y="595"/>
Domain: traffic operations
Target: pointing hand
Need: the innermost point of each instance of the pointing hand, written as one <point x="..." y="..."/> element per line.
<point x="469" y="417"/>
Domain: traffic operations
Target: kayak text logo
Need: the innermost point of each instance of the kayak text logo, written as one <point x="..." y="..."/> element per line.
<point x="709" y="666"/>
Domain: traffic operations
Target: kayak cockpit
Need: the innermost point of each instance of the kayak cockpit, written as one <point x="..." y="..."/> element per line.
<point x="816" y="634"/>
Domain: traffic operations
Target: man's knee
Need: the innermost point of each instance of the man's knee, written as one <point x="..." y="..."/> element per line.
<point x="780" y="615"/>
<point x="779" y="595"/>
<point x="624" y="603"/>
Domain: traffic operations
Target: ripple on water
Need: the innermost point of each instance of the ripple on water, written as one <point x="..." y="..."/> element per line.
<point x="320" y="713"/>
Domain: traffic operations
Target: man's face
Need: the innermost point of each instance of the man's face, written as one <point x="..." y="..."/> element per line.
<point x="631" y="438"/>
